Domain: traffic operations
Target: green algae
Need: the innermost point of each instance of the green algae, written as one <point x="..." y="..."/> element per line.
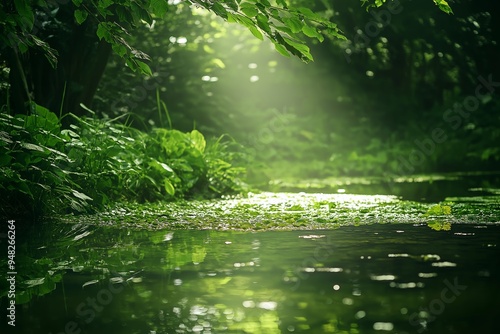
<point x="290" y="211"/>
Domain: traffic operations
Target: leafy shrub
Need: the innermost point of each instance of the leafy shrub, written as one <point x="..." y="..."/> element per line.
<point x="98" y="161"/>
<point x="33" y="173"/>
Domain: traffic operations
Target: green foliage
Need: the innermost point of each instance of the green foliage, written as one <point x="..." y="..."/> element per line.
<point x="225" y="162"/>
<point x="99" y="161"/>
<point x="281" y="23"/>
<point x="34" y="173"/>
<point x="438" y="225"/>
<point x="118" y="162"/>
<point x="442" y="4"/>
<point x="439" y="210"/>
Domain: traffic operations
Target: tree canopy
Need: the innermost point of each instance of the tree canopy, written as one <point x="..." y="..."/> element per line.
<point x="278" y="21"/>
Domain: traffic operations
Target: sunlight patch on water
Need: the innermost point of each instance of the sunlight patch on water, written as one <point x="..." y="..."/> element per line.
<point x="398" y="255"/>
<point x="360" y="314"/>
<point x="382" y="277"/>
<point x="444" y="264"/>
<point x="329" y="270"/>
<point x="269" y="305"/>
<point x="383" y="326"/>
<point x="249" y="304"/>
<point x="312" y="236"/>
<point x="409" y="285"/>
<point x="427" y="275"/>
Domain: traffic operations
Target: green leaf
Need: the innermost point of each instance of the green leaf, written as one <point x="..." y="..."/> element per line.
<point x="282" y="3"/>
<point x="232" y="4"/>
<point x="249" y="24"/>
<point x="198" y="140"/>
<point x="293" y="23"/>
<point x="80" y="16"/>
<point x="169" y="188"/>
<point x="32" y="147"/>
<point x="119" y="49"/>
<point x="438" y="210"/>
<point x="443" y="5"/>
<point x="281" y="49"/>
<point x="139" y="65"/>
<point x="249" y="9"/>
<point x="105" y="3"/>
<point x="144" y="68"/>
<point x="263" y="23"/>
<point x="103" y="32"/>
<point x="219" y="10"/>
<point x="23" y="8"/>
<point x="308" y="13"/>
<point x="312" y="32"/>
<point x="284" y="29"/>
<point x="166" y="167"/>
<point x="159" y="7"/>
<point x="299" y="49"/>
<point x="80" y="195"/>
<point x="34" y="282"/>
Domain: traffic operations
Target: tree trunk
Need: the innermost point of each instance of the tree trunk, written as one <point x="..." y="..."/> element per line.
<point x="82" y="60"/>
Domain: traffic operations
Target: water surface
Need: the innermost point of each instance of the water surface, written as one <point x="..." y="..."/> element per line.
<point x="365" y="279"/>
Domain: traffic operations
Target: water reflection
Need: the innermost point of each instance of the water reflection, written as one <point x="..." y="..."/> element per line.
<point x="366" y="279"/>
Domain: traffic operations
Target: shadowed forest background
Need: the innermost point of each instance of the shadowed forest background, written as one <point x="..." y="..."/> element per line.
<point x="356" y="110"/>
<point x="410" y="90"/>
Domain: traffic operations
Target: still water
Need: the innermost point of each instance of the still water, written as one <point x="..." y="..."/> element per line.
<point x="364" y="279"/>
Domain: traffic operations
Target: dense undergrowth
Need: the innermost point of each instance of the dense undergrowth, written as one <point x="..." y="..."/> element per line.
<point x="45" y="168"/>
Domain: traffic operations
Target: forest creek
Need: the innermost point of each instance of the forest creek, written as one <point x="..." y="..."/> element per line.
<point x="250" y="166"/>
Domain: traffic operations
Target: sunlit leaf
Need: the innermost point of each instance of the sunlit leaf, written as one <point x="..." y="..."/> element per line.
<point x="312" y="32"/>
<point x="144" y="68"/>
<point x="198" y="140"/>
<point x="281" y="49"/>
<point x="293" y="23"/>
<point x="166" y="167"/>
<point x="263" y="23"/>
<point x="169" y="188"/>
<point x="249" y="9"/>
<point x="444" y="6"/>
<point x="34" y="282"/>
<point x="81" y="195"/>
